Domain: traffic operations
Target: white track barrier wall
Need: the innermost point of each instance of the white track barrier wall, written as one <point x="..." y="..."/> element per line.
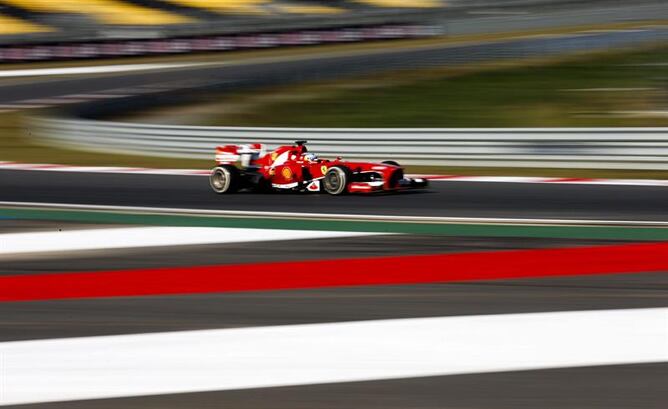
<point x="604" y="148"/>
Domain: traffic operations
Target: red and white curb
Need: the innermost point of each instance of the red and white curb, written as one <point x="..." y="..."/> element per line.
<point x="433" y="178"/>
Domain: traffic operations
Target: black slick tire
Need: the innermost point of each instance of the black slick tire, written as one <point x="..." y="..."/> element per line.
<point x="224" y="179"/>
<point x="336" y="180"/>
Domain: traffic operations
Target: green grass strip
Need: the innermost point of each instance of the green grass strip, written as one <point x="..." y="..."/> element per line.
<point x="481" y="230"/>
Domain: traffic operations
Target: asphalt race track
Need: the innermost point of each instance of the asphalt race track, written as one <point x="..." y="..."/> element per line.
<point x="443" y="199"/>
<point x="622" y="386"/>
<point x="613" y="387"/>
<point x="637" y="386"/>
<point x="640" y="385"/>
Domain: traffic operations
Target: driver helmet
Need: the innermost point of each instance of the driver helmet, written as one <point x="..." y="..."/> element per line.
<point x="310" y="157"/>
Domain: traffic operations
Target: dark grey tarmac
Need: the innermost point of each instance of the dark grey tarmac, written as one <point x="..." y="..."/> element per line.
<point x="123" y="315"/>
<point x="603" y="387"/>
<point x="444" y="199"/>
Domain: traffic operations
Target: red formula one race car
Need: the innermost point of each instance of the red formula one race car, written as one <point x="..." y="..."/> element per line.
<point x="293" y="168"/>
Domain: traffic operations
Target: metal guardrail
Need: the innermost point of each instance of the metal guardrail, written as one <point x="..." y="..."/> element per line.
<point x="602" y="148"/>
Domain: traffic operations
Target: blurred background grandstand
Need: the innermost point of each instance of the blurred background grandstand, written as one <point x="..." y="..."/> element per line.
<point x="29" y="21"/>
<point x="42" y="22"/>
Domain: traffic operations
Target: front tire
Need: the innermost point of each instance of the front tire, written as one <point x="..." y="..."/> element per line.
<point x="224" y="179"/>
<point x="336" y="180"/>
<point x="390" y="162"/>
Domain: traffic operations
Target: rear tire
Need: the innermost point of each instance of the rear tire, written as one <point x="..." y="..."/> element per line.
<point x="224" y="179"/>
<point x="336" y="180"/>
<point x="390" y="162"/>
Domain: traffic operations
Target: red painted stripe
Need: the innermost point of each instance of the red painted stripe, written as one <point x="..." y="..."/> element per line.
<point x="47" y="166"/>
<point x="570" y="180"/>
<point x="332" y="273"/>
<point x="128" y="169"/>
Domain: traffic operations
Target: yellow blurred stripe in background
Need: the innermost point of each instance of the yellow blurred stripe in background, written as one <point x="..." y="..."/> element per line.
<point x="11" y="25"/>
<point x="403" y="3"/>
<point x="104" y="11"/>
<point x="226" y="6"/>
<point x="308" y="9"/>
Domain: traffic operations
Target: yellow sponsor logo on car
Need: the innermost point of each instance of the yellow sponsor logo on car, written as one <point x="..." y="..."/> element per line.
<point x="287" y="173"/>
<point x="323" y="169"/>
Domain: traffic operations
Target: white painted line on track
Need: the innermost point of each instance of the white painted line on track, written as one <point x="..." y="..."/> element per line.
<point x="497" y="12"/>
<point x="100" y="169"/>
<point x="20" y="105"/>
<point x="619" y="89"/>
<point x="114" y="238"/>
<point x="86" y="97"/>
<point x="227" y="359"/>
<point x="497" y="179"/>
<point x="51" y="101"/>
<point x="103" y="69"/>
<point x="333" y="216"/>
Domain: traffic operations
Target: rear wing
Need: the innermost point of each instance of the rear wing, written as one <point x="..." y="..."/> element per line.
<point x="244" y="154"/>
